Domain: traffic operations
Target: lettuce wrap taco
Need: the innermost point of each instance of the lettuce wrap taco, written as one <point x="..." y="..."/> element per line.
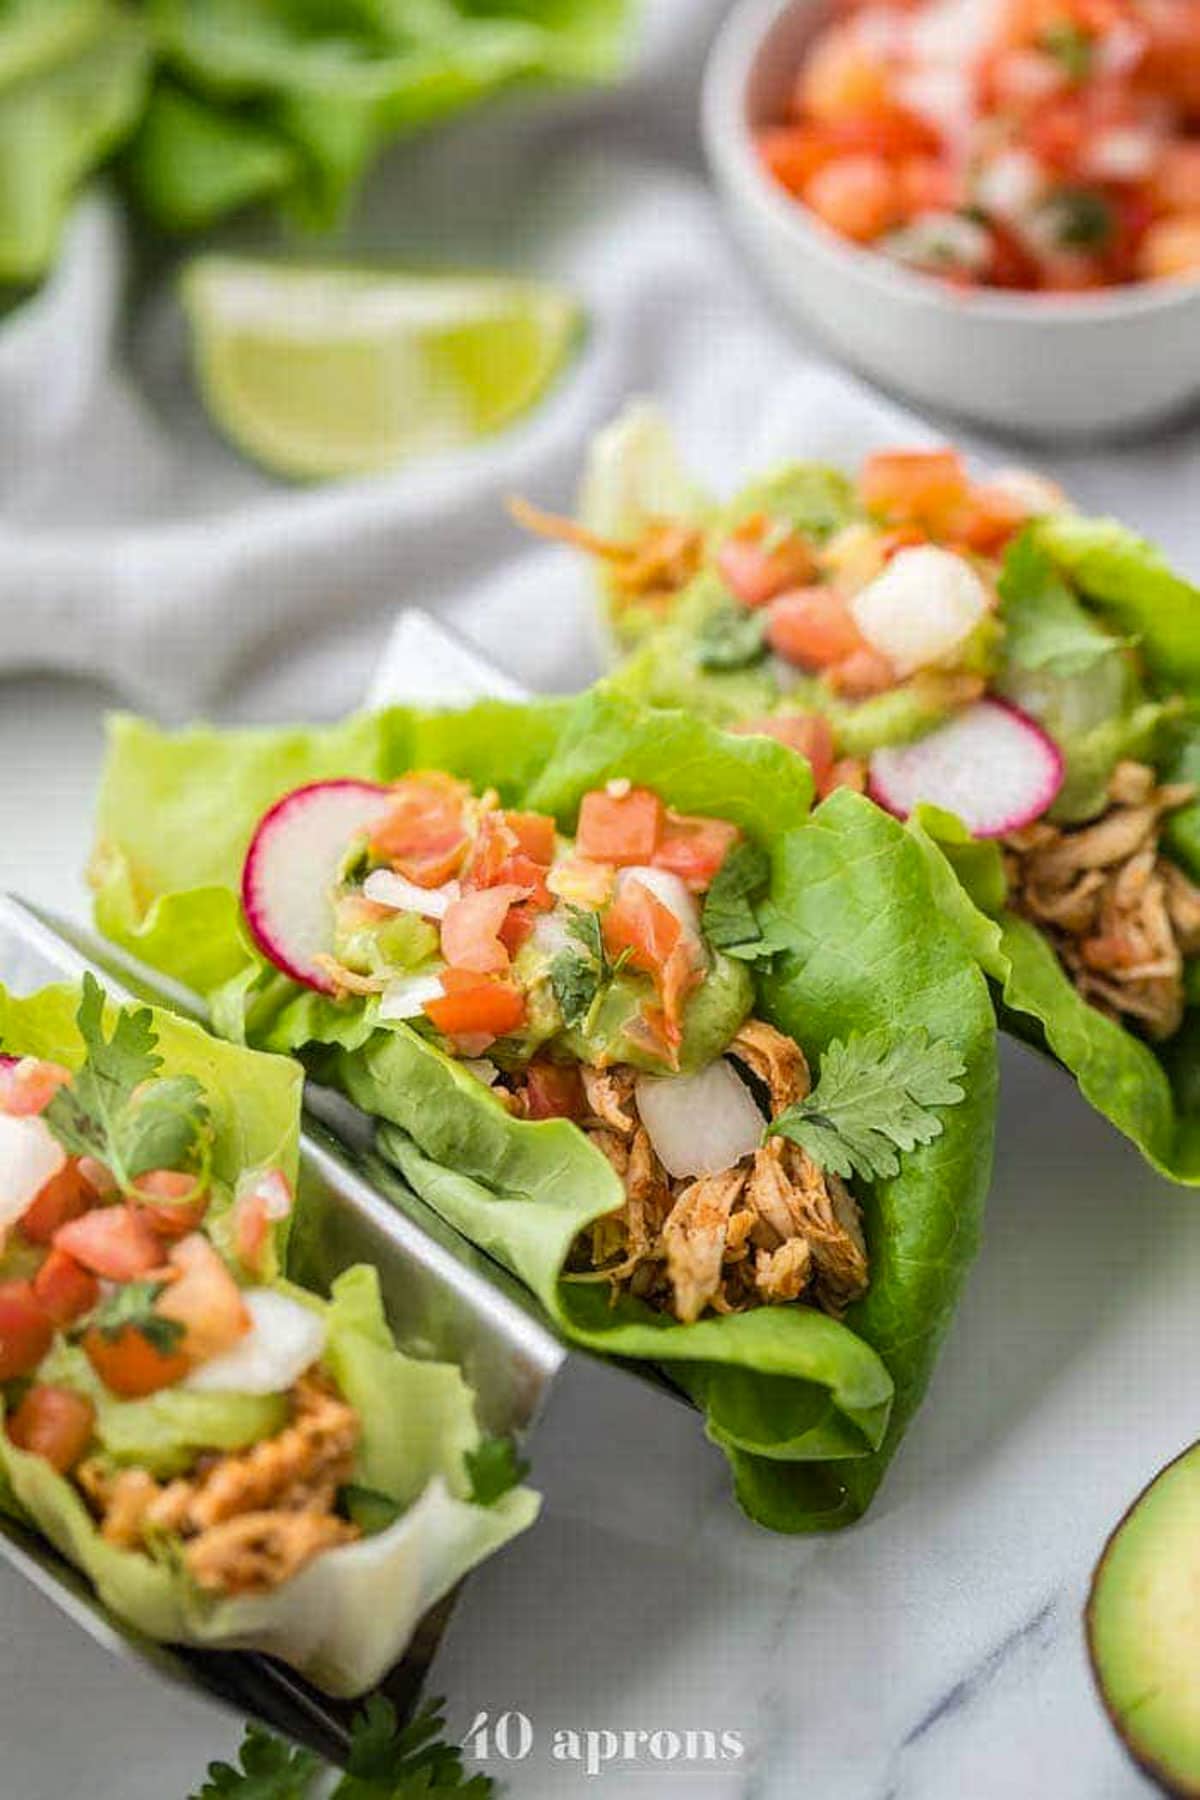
<point x="231" y="1460"/>
<point x="1019" y="681"/>
<point x="706" y="1072"/>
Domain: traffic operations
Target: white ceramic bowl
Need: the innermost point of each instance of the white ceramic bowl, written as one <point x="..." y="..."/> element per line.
<point x="1041" y="365"/>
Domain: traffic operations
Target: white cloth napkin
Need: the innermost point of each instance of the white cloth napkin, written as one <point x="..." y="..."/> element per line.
<point x="136" y="546"/>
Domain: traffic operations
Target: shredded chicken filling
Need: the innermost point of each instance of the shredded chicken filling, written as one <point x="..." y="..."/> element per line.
<point x="1121" y="916"/>
<point x="249" y="1521"/>
<point x="772" y="1230"/>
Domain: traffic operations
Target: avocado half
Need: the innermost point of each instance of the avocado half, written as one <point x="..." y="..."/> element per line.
<point x="1143" y="1627"/>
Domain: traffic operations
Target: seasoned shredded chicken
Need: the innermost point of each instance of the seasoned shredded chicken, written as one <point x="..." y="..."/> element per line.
<point x="650" y="568"/>
<point x="251" y="1519"/>
<point x="772" y="1230"/>
<point x="1120" y="915"/>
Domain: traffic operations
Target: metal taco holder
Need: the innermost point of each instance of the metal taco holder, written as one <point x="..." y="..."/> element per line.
<point x="350" y="1208"/>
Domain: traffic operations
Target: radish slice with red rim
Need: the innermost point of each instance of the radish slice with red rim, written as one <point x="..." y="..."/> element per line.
<point x="291" y="868"/>
<point x="992" y="765"/>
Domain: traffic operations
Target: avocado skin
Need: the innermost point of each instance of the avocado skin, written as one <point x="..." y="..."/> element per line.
<point x="1160" y="1768"/>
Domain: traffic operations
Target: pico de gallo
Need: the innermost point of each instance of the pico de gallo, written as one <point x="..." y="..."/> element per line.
<point x="1027" y="144"/>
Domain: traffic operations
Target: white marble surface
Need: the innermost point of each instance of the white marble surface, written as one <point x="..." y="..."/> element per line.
<point x="932" y="1653"/>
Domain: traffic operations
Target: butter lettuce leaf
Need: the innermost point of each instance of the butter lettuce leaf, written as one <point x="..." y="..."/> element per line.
<point x="349" y="1614"/>
<point x="801" y="1404"/>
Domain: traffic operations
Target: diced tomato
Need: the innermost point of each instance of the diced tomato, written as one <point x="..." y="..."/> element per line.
<point x="809" y="733"/>
<point x="171" y="1202"/>
<point x="474" y="1007"/>
<point x="1171" y="248"/>
<point x="204" y="1299"/>
<point x="684" y="971"/>
<point x="260" y="1203"/>
<point x="424" y="835"/>
<point x="756" y="562"/>
<point x="638" y="921"/>
<point x="863" y="673"/>
<point x="553" y="1091"/>
<point x="66" y="1196"/>
<point x="111" y="1241"/>
<point x="847" y="772"/>
<point x="1011" y="264"/>
<point x="54" y="1423"/>
<point x="99" y="1177"/>
<point x="812" y="627"/>
<point x="27" y="1086"/>
<point x="857" y="196"/>
<point x="130" y="1365"/>
<point x="582" y="883"/>
<point x="839" y="77"/>
<point x="989" y="518"/>
<point x="901" y="537"/>
<point x="498" y="856"/>
<point x="470" y="929"/>
<point x="26" y="1330"/>
<point x="794" y="153"/>
<point x="1058" y="134"/>
<point x="621" y="828"/>
<point x="914" y="487"/>
<point x="65" y="1289"/>
<point x="694" y="848"/>
<point x="518" y="925"/>
<point x="534" y="833"/>
<point x="927" y="185"/>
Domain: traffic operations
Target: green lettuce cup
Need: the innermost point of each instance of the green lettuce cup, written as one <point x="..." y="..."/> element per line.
<point x="844" y="947"/>
<point x="289" y="1481"/>
<point x="966" y="648"/>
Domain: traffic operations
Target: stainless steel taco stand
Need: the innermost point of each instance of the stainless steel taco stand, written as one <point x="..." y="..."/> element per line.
<point x="350" y="1208"/>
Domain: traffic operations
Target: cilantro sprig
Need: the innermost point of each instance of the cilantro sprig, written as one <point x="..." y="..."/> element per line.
<point x="579" y="976"/>
<point x="131" y="1306"/>
<point x="385" y="1762"/>
<point x="117" y="1108"/>
<point x="875" y="1097"/>
<point x="494" y="1467"/>
<point x="731" y="639"/>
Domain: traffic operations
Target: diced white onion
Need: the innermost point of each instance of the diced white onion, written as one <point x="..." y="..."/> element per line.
<point x="29" y="1157"/>
<point x="1035" y="494"/>
<point x="284" y="1339"/>
<point x="940" y="241"/>
<point x="699" y="1124"/>
<point x="921" y="608"/>
<point x="1126" y="153"/>
<point x="671" y="891"/>
<point x="954" y="31"/>
<point x="405" y="997"/>
<point x="1010" y="184"/>
<point x="385" y="888"/>
<point x="482" y="1068"/>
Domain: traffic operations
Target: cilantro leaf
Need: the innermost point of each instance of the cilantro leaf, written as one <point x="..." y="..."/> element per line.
<point x="584" y="926"/>
<point x="114" y="1109"/>
<point x="494" y="1467"/>
<point x="413" y="1763"/>
<point x="163" y="1126"/>
<point x="1045" y="626"/>
<point x="1071" y="47"/>
<point x="576" y="983"/>
<point x="728" y="916"/>
<point x="1079" y="218"/>
<point x="874" y="1097"/>
<point x="132" y="1305"/>
<point x="731" y="639"/>
<point x="270" y="1769"/>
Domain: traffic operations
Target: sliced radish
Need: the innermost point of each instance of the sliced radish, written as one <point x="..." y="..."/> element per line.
<point x="992" y="765"/>
<point x="405" y="997"/>
<point x="291" y="867"/>
<point x="388" y="889"/>
<point x="700" y="1124"/>
<point x="284" y="1339"/>
<point x="29" y="1157"/>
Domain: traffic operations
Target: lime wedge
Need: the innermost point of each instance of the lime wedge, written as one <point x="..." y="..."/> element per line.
<point x="340" y="371"/>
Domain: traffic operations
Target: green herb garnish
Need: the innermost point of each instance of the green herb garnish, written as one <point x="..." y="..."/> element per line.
<point x="131" y="1307"/>
<point x="1071" y="46"/>
<point x="494" y="1467"/>
<point x="874" y="1097"/>
<point x="728" y="915"/>
<point x="116" y="1110"/>
<point x="1080" y="219"/>
<point x="731" y="639"/>
<point x="578" y="976"/>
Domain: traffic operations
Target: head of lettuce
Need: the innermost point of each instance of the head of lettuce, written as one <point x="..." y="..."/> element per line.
<point x="728" y="1106"/>
<point x="234" y="1462"/>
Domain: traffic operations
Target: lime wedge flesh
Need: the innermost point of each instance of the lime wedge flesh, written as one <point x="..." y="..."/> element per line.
<point x="340" y="371"/>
